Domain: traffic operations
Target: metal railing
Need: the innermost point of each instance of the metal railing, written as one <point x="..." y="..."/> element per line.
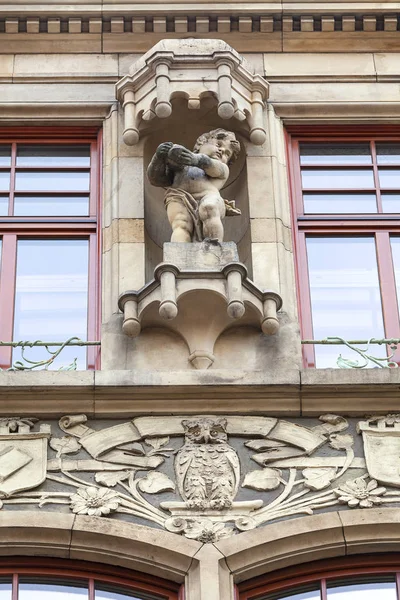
<point x="367" y="359"/>
<point x="27" y="364"/>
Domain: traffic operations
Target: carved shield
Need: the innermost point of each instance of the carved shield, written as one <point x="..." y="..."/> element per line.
<point x="382" y="454"/>
<point x="23" y="461"/>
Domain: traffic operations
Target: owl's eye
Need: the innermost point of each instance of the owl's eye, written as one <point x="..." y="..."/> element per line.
<point x="214" y="433"/>
<point x="196" y="431"/>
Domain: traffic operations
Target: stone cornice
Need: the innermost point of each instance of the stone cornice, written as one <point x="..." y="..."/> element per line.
<point x="250" y="27"/>
<point x="293" y="393"/>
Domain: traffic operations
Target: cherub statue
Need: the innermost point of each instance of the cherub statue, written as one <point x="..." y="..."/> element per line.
<point x="193" y="180"/>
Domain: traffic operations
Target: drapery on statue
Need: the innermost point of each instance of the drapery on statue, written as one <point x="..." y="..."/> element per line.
<point x="194" y="204"/>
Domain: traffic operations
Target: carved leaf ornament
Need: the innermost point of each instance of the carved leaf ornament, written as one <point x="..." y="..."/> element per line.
<point x="114" y="470"/>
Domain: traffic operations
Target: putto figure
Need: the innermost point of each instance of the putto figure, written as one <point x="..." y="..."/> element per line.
<point x="207" y="468"/>
<point x="193" y="180"/>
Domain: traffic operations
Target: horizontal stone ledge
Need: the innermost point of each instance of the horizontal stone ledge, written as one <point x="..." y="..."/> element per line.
<point x="310" y="392"/>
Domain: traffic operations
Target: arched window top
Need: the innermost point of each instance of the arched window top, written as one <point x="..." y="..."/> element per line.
<point x="351" y="578"/>
<point x="50" y="579"/>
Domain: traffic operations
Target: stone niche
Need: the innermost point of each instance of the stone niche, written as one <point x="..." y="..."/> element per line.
<point x="184" y="127"/>
<point x="199" y="307"/>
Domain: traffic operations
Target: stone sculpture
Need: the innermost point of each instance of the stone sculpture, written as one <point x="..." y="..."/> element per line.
<point x="207" y="467"/>
<point x="193" y="180"/>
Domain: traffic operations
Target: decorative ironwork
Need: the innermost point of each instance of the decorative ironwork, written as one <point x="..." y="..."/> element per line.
<point x="367" y="358"/>
<point x="26" y="364"/>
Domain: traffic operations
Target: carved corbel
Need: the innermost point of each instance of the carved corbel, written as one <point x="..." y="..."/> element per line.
<point x="131" y="132"/>
<point x="258" y="133"/>
<point x="226" y="108"/>
<point x="163" y="107"/>
<point x="272" y="302"/>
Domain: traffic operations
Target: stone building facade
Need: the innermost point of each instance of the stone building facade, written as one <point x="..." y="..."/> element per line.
<point x="118" y="464"/>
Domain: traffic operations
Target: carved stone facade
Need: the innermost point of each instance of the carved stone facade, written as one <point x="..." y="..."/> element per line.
<point x="197" y="476"/>
<point x="201" y="450"/>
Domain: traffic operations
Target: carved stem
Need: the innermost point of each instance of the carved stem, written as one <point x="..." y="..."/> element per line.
<point x="131" y="133"/>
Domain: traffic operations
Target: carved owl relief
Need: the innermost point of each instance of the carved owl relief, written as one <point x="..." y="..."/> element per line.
<point x="207" y="467"/>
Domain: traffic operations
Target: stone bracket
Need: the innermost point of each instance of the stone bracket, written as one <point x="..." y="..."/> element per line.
<point x="199" y="305"/>
<point x="192" y="68"/>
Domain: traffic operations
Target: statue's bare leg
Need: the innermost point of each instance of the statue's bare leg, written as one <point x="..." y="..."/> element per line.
<point x="180" y="221"/>
<point x="211" y="213"/>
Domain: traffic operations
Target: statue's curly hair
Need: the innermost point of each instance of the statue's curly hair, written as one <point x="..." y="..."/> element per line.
<point x="219" y="134"/>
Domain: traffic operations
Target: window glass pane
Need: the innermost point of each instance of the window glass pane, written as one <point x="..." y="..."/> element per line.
<point x="391" y="202"/>
<point x="340" y="203"/>
<point x="387" y="154"/>
<point x="337" y="178"/>
<point x="5" y="582"/>
<point x="345" y="295"/>
<point x="4" y="180"/>
<point x="3" y="206"/>
<point x="40" y="590"/>
<point x="51" y="297"/>
<point x="305" y="594"/>
<point x="343" y="154"/>
<point x="382" y="590"/>
<point x="389" y="178"/>
<point x="5" y="156"/>
<point x="112" y="592"/>
<point x="51" y="180"/>
<point x="50" y="206"/>
<point x="59" y="156"/>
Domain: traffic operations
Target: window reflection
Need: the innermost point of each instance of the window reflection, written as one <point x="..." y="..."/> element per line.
<point x="339" y="203"/>
<point x="4" y="180"/>
<point x="3" y="206"/>
<point x="50" y="206"/>
<point x="62" y="181"/>
<point x="363" y="591"/>
<point x="59" y="156"/>
<point x="5" y="155"/>
<point x="389" y="178"/>
<point x="5" y="585"/>
<point x="391" y="203"/>
<point x="294" y="595"/>
<point x="312" y="154"/>
<point x="388" y="154"/>
<point x="51" y="296"/>
<point x="51" y="591"/>
<point x="337" y="179"/>
<point x="345" y="295"/>
<point x="107" y="593"/>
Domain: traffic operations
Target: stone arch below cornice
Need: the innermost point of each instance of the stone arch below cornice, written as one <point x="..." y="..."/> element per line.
<point x="306" y="539"/>
<point x="97" y="540"/>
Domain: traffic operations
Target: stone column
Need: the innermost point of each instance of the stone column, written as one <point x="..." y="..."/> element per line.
<point x="123" y="233"/>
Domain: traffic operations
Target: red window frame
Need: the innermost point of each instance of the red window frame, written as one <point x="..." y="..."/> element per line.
<point x="380" y="224"/>
<point x="91" y="572"/>
<point x="88" y="227"/>
<point x="291" y="578"/>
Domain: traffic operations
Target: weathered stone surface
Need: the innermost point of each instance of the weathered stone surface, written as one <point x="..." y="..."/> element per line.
<point x="202" y="257"/>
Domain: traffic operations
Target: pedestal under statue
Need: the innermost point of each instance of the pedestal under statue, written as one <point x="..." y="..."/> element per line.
<point x="193" y="180"/>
